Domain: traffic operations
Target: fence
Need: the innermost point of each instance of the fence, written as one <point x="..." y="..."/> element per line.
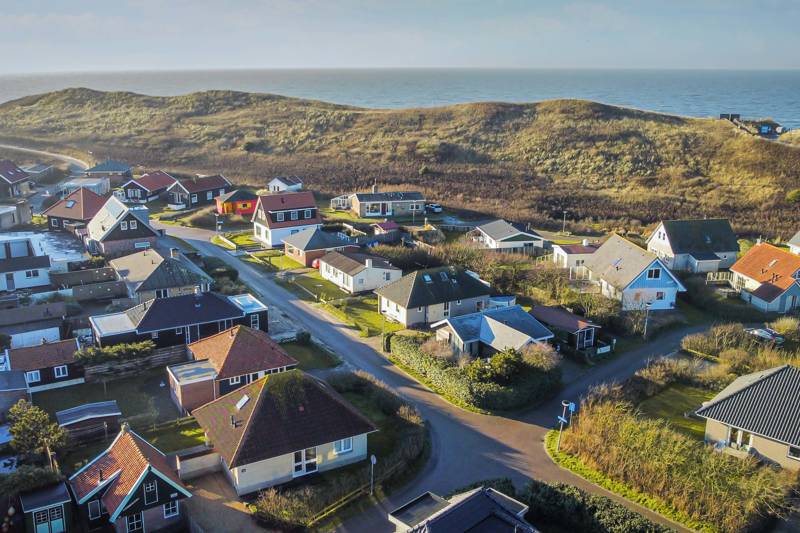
<point x="83" y="277"/>
<point x="718" y="277"/>
<point x="131" y="367"/>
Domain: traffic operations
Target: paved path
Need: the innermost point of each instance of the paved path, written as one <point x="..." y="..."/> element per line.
<point x="466" y="446"/>
<point x="73" y="161"/>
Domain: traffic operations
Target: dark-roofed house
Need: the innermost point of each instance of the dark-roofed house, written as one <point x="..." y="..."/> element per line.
<point x="223" y="363"/>
<point x="90" y="421"/>
<point x="147" y="187"/>
<point x="285" y="184"/>
<point x="480" y="510"/>
<point x="153" y="273"/>
<point x="313" y="243"/>
<point x="576" y="331"/>
<point x="110" y="168"/>
<point x="431" y="295"/>
<point x="118" y="228"/>
<point x="491" y="330"/>
<point x="131" y="486"/>
<point x="698" y="245"/>
<point x="23" y="263"/>
<point x="505" y="237"/>
<point x="13" y="388"/>
<point x="48" y="365"/>
<point x="573" y="255"/>
<point x="238" y="202"/>
<point x="355" y="272"/>
<point x="47" y="509"/>
<point x="794" y="244"/>
<point x="30" y="324"/>
<point x="758" y="414"/>
<point x="78" y="208"/>
<point x="387" y="204"/>
<point x="14" y="181"/>
<point x="277" y="216"/>
<point x="768" y="278"/>
<point x="197" y="191"/>
<point x="179" y="319"/>
<point x="281" y="427"/>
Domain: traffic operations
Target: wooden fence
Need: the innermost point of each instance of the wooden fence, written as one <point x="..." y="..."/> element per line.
<point x="130" y="367"/>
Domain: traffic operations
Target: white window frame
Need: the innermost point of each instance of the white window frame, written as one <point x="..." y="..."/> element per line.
<point x="61" y="371"/>
<point x="54" y="222"/>
<point x="656" y="273"/>
<point x="294" y="215"/>
<point x="193" y="198"/>
<point x="162" y="293"/>
<point x="171" y="513"/>
<point x="31" y="274"/>
<point x="307" y="213"/>
<point x="660" y="295"/>
<point x="154" y="335"/>
<point x="98" y="513"/>
<point x="179" y="331"/>
<point x="796" y="456"/>
<point x="154" y="485"/>
<point x="343" y="446"/>
<point x="123" y="225"/>
<point x="31" y="374"/>
<point x="304" y="462"/>
<point x="209" y="195"/>
<point x="235" y="380"/>
<point x="138" y="522"/>
<point x="132" y="224"/>
<point x="255" y="321"/>
<point x="279" y="216"/>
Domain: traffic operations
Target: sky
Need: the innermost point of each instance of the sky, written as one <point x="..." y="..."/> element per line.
<point x="103" y="35"/>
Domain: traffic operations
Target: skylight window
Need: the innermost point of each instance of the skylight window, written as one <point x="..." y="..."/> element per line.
<point x="772" y="263"/>
<point x="242" y="402"/>
<point x="443" y="275"/>
<point x="427" y="278"/>
<point x="70" y="204"/>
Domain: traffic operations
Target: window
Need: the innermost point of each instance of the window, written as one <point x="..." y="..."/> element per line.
<point x="133" y="224"/>
<point x="305" y="461"/>
<point x="279" y="217"/>
<point x="209" y="195"/>
<point x="387" y="276"/>
<point x="94" y="510"/>
<point x="41" y="517"/>
<point x="178" y="331"/>
<point x="654" y="273"/>
<point x="794" y="452"/>
<point x="307" y="213"/>
<point x="458" y="302"/>
<point x="150" y="492"/>
<point x="33" y="376"/>
<point x="360" y="281"/>
<point x="659" y="295"/>
<point x="123" y="225"/>
<point x="254" y="321"/>
<point x="61" y="371"/>
<point x="31" y="273"/>
<point x="54" y="222"/>
<point x="446" y="309"/>
<point x="294" y="215"/>
<point x="235" y="380"/>
<point x="134" y="522"/>
<point x="154" y="335"/>
<point x="170" y="509"/>
<point x="343" y="446"/>
<point x="194" y="198"/>
<point x="162" y="293"/>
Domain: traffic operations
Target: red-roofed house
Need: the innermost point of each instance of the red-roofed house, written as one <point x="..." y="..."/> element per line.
<point x="147" y="187"/>
<point x="49" y="365"/>
<point x="197" y="191"/>
<point x="768" y="278"/>
<point x="130" y="486"/>
<point x="573" y="255"/>
<point x="279" y="215"/>
<point x="14" y="181"/>
<point x="78" y="207"/>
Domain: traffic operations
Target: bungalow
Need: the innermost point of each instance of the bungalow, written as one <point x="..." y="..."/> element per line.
<point x="313" y="243"/>
<point x="794" y="244"/>
<point x="502" y="236"/>
<point x="577" y="332"/>
<point x="387" y="204"/>
<point x="635" y="277"/>
<point x="47" y="509"/>
<point x="39" y="170"/>
<point x="131" y="486"/>
<point x="153" y="273"/>
<point x="238" y="202"/>
<point x="197" y="191"/>
<point x="428" y="296"/>
<point x="356" y="272"/>
<point x="282" y="427"/>
<point x="49" y="365"/>
<point x="147" y="187"/>
<point x="572" y="256"/>
<point x="179" y="319"/>
<point x="100" y="185"/>
<point x="90" y="421"/>
<point x="768" y="278"/>
<point x="223" y="363"/>
<point x="111" y="168"/>
<point x="277" y="216"/>
<point x="14" y="181"/>
<point x="118" y="228"/>
<point x="490" y="331"/>
<point x="285" y="184"/>
<point x="757" y="415"/>
<point x="76" y="209"/>
<point x="706" y="245"/>
<point x="31" y="324"/>
<point x="23" y="263"/>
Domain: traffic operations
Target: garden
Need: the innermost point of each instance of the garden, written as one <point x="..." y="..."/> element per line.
<point x="361" y="312"/>
<point x="309" y="355"/>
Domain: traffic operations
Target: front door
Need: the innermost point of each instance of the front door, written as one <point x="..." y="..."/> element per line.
<point x="49" y="520"/>
<point x="305" y="462"/>
<point x="10" y="281"/>
<point x="384" y="208"/>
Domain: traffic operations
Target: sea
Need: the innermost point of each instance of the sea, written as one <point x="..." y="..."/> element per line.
<point x="695" y="93"/>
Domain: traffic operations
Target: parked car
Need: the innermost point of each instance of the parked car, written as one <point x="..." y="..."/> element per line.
<point x="766" y="335"/>
<point x="433" y="208"/>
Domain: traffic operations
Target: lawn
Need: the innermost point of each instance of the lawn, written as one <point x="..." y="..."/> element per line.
<point x="673" y="402"/>
<point x="277" y="260"/>
<point x="311" y="356"/>
<point x="363" y="313"/>
<point x="311" y="287"/>
<point x="243" y="239"/>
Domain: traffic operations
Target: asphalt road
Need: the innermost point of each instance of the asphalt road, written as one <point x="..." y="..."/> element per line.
<point x="466" y="447"/>
<point x="74" y="162"/>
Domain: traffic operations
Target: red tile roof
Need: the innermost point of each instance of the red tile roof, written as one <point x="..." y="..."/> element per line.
<point x="44" y="355"/>
<point x="205" y="183"/>
<point x="81" y="204"/>
<point x="241" y="350"/>
<point x="11" y="173"/>
<point x="153" y="181"/>
<point x="289" y="201"/>
<point x="773" y="267"/>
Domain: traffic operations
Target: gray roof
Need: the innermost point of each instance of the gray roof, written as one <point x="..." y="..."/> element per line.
<point x="44" y="497"/>
<point x="199" y="370"/>
<point x="315" y="239"/>
<point x="390" y="196"/>
<point x="152" y="269"/>
<point x="289" y="180"/>
<point x="619" y="261"/>
<point x="501" y="327"/>
<point x="109" y="216"/>
<point x="30" y="314"/>
<point x="795" y="241"/>
<point x="11" y="380"/>
<point x="16" y="264"/>
<point x="434" y="286"/>
<point x="352" y="263"/>
<point x="702" y="238"/>
<point x="764" y="403"/>
<point x="87" y="411"/>
<point x="500" y="229"/>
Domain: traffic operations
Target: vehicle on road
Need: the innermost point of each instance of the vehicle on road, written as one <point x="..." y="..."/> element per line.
<point x="766" y="335"/>
<point x="433" y="208"/>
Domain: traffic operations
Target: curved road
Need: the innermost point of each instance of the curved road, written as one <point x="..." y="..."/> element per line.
<point x="82" y="165"/>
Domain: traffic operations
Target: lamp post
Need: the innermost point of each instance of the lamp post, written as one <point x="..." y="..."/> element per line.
<point x="564" y="224"/>
<point x="372" y="461"/>
<point x="646" y="318"/>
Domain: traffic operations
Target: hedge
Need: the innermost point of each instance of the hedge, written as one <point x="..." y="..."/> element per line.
<point x="133" y="350"/>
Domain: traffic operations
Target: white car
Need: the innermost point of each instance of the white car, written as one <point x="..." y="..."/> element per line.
<point x="766" y="335"/>
<point x="433" y="208"/>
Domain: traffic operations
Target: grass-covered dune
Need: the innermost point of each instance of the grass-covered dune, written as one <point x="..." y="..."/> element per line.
<point x="607" y="166"/>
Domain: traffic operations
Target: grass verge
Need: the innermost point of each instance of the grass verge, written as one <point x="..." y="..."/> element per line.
<point x="362" y="314"/>
<point x="311" y="356"/>
<point x="671" y="404"/>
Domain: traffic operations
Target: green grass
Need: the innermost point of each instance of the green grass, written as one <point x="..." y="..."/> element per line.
<point x="673" y="402"/>
<point x="216" y="239"/>
<point x="311" y="356"/>
<point x="363" y="314"/>
<point x="311" y="287"/>
<point x="243" y="239"/>
<point x="277" y="260"/>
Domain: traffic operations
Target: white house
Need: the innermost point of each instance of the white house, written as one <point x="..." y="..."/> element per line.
<point x="23" y="262"/>
<point x="504" y="237"/>
<point x="355" y="272"/>
<point x="698" y="245"/>
<point x="285" y="184"/>
<point x="277" y="216"/>
<point x="768" y="278"/>
<point x="573" y="256"/>
<point x="794" y="244"/>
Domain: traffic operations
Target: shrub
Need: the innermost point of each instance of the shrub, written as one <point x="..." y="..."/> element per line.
<point x="117" y="352"/>
<point x="27" y="477"/>
<point x="793" y="196"/>
<point x="303" y="337"/>
<point x="788" y="326"/>
<point x="505" y="365"/>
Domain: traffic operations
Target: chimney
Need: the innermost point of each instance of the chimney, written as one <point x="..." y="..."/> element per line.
<point x="44" y="341"/>
<point x="233" y="421"/>
<point x="125" y="427"/>
<point x="374" y="188"/>
<point x="231" y="330"/>
<point x="585" y="242"/>
<point x="100" y="474"/>
<point x="173" y="253"/>
<point x="368" y="262"/>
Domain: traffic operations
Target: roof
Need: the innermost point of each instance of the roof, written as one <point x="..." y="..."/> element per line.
<point x="15" y="264"/>
<point x="87" y="411"/>
<point x="500" y="229"/>
<point x="185" y="373"/>
<point x="120" y="469"/>
<point x="771" y="266"/>
<point x="501" y="327"/>
<point x="241" y="350"/>
<point x="109" y="165"/>
<point x="433" y="286"/>
<point x="559" y="318"/>
<point x="352" y="263"/>
<point x="387" y="225"/>
<point x="283" y="413"/>
<point x="32" y="313"/>
<point x="764" y="404"/>
<point x="37" y="168"/>
<point x="315" y="239"/>
<point x="80" y="204"/>
<point x="239" y="195"/>
<point x="151" y="269"/>
<point x="570" y="249"/>
<point x="619" y="261"/>
<point x="45" y="355"/>
<point x="204" y="183"/>
<point x="44" y="497"/>
<point x="11" y="380"/>
<point x="795" y="241"/>
<point x="154" y="181"/>
<point x="700" y="236"/>
<point x="389" y="196"/>
<point x="11" y="173"/>
<point x="288" y="180"/>
<point x="110" y="214"/>
<point x="285" y="201"/>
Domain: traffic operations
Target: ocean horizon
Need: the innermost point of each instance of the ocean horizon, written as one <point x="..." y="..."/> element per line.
<point x="693" y="93"/>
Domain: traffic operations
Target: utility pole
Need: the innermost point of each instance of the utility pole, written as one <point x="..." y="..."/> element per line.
<point x="564" y="224"/>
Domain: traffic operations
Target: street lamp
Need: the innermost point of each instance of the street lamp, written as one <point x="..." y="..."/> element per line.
<point x="564" y="224"/>
<point x="646" y="317"/>
<point x="372" y="461"/>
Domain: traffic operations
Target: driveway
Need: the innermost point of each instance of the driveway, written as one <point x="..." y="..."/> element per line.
<point x="214" y="505"/>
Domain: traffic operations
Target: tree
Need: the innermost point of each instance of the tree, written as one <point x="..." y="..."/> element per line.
<point x="32" y="431"/>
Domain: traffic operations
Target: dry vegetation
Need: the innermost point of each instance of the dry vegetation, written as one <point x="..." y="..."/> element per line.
<point x="608" y="166"/>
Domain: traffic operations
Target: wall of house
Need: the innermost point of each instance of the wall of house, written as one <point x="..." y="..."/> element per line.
<point x="146" y="296"/>
<point x="431" y="313"/>
<point x="274" y="237"/>
<point x="642" y="290"/>
<point x="367" y="280"/>
<point x="276" y="186"/>
<point x="790" y="299"/>
<point x="565" y="260"/>
<point x="189" y="396"/>
<point x="153" y="519"/>
<point x="22" y="281"/>
<point x="718" y="432"/>
<point x="122" y="247"/>
<point x="393" y="209"/>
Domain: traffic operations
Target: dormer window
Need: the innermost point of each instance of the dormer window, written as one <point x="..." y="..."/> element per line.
<point x="133" y="224"/>
<point x="150" y="492"/>
<point x="279" y="217"/>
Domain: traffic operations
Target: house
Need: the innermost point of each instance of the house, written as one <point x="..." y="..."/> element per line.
<point x="313" y="243"/>
<point x="277" y="216"/>
<point x="14" y="182"/>
<point x="47" y="509"/>
<point x="386" y="227"/>
<point x="76" y="209"/>
<point x="573" y="256"/>
<point x="100" y="185"/>
<point x="13" y="388"/>
<point x="487" y="332"/>
<point x="39" y="170"/>
<point x="794" y="244"/>
<point x="575" y="331"/>
<point x="23" y="263"/>
<point x="197" y="191"/>
<point x="757" y="414"/>
<point x="238" y="202"/>
<point x="482" y="509"/>
<point x="504" y="237"/>
<point x="153" y="273"/>
<point x="15" y="212"/>
<point x="30" y="324"/>
<point x="47" y="365"/>
<point x="111" y="168"/>
<point x="428" y="296"/>
<point x="179" y="319"/>
<point x="387" y="204"/>
<point x="147" y="187"/>
<point x="223" y="363"/>
<point x="696" y="245"/>
<point x="285" y="184"/>
<point x="355" y="272"/>
<point x="64" y="249"/>
<point x="90" y="421"/>
<point x="282" y="427"/>
<point x="118" y="228"/>
<point x="633" y="276"/>
<point x="768" y="278"/>
<point x="130" y="487"/>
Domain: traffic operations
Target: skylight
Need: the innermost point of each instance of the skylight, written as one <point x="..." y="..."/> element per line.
<point x="427" y="278"/>
<point x="772" y="263"/>
<point x="443" y="275"/>
<point x="242" y="402"/>
<point x="69" y="204"/>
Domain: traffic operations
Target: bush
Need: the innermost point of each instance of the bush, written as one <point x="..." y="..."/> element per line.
<point x="303" y="338"/>
<point x="27" y="477"/>
<point x="788" y="326"/>
<point x="118" y="352"/>
<point x="793" y="196"/>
